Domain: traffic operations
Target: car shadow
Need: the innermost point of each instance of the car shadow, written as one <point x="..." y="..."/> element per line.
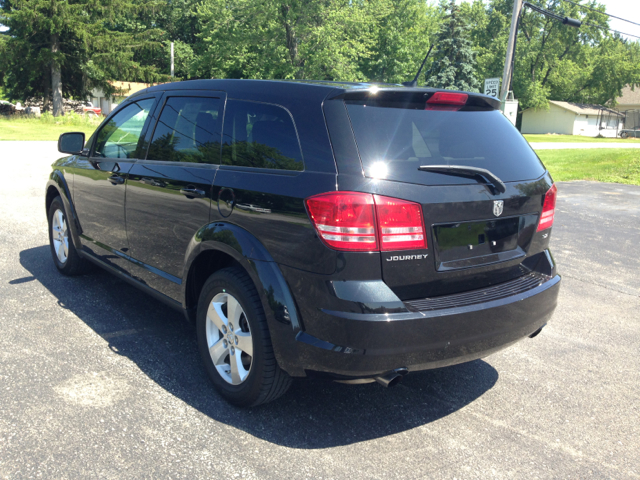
<point x="315" y="413"/>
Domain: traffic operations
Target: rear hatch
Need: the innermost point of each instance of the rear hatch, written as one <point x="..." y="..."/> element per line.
<point x="480" y="185"/>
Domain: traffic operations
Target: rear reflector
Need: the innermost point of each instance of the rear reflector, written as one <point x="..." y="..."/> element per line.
<point x="548" y="209"/>
<point x="355" y="221"/>
<point x="448" y="98"/>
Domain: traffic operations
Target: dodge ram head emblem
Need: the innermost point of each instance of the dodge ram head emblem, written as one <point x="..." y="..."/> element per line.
<point x="498" y="207"/>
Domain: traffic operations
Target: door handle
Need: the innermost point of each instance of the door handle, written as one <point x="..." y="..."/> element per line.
<point x="116" y="180"/>
<point x="192" y="192"/>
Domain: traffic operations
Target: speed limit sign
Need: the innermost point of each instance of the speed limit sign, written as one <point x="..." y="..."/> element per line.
<point x="491" y="87"/>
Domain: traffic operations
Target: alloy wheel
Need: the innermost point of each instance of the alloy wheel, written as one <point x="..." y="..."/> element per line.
<point x="60" y="236"/>
<point x="229" y="338"/>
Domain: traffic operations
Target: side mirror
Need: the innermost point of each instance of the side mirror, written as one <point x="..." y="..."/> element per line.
<point x="71" y="143"/>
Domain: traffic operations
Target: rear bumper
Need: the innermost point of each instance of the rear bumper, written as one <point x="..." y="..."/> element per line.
<point x="371" y="343"/>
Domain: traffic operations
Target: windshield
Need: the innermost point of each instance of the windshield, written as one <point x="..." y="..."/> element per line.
<point x="394" y="142"/>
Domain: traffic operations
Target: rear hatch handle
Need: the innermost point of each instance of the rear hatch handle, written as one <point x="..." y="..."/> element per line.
<point x="465" y="171"/>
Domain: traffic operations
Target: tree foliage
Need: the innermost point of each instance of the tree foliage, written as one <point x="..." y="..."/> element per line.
<point x="85" y="41"/>
<point x="348" y="40"/>
<point x="400" y="33"/>
<point x="454" y="64"/>
<point x="294" y="40"/>
<point x="554" y="61"/>
<point x="92" y="42"/>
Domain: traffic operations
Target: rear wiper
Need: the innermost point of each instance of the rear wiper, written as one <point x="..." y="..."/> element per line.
<point x="464" y="171"/>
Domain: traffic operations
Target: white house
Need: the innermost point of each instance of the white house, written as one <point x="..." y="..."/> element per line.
<point x="572" y="119"/>
<point x="123" y="90"/>
<point x="630" y="99"/>
<point x="629" y="104"/>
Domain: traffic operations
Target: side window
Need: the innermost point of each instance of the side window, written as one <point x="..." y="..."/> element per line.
<point x="188" y="130"/>
<point x="261" y="136"/>
<point x="119" y="137"/>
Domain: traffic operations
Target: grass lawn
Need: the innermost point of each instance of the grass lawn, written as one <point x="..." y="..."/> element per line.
<point x="576" y="139"/>
<point x="46" y="127"/>
<point x="602" y="165"/>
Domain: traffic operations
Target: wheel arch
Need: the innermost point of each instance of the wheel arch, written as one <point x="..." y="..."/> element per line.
<point x="220" y="245"/>
<point x="57" y="186"/>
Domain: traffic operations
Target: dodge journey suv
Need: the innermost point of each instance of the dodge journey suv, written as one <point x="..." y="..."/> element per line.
<point x="353" y="231"/>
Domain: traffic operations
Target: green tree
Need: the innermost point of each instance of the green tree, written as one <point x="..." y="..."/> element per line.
<point x="402" y="31"/>
<point x="489" y="25"/>
<point x="77" y="44"/>
<point x="453" y="65"/>
<point x="297" y="39"/>
<point x="163" y="22"/>
<point x="553" y="61"/>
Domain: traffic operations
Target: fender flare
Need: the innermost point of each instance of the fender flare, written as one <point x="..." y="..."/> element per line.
<point x="59" y="182"/>
<point x="277" y="301"/>
<point x="249" y="252"/>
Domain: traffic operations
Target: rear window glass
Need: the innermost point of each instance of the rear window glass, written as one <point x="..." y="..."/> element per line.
<point x="394" y="142"/>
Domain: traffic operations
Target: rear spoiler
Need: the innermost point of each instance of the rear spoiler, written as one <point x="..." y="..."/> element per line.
<point x="409" y="95"/>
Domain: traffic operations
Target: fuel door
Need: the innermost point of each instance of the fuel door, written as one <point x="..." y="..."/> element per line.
<point x="226" y="201"/>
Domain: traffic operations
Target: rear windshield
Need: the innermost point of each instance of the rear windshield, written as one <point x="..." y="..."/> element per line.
<point x="394" y="142"/>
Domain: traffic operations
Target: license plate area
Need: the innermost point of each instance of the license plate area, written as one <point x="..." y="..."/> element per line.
<point x="469" y="244"/>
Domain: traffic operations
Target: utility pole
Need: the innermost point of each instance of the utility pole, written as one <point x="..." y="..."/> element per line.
<point x="508" y="72"/>
<point x="172" y="75"/>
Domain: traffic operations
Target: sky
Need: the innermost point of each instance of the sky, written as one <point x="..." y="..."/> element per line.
<point x="629" y="9"/>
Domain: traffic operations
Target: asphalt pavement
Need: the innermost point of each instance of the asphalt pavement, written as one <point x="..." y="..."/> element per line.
<point x="98" y="380"/>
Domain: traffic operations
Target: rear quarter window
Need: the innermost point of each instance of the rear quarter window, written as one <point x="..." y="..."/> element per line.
<point x="394" y="142"/>
<point x="260" y="135"/>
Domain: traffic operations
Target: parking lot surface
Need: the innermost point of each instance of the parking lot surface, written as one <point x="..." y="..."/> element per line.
<point x="98" y="380"/>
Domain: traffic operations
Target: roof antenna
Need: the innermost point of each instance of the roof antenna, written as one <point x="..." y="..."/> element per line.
<point x="414" y="82"/>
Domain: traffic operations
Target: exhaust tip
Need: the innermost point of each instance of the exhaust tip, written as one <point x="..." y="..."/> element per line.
<point x="394" y="381"/>
<point x="392" y="378"/>
<point x="537" y="332"/>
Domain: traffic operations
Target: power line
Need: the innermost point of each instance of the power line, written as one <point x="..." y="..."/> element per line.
<point x="567" y="19"/>
<point x="543" y="12"/>
<point x="602" y="13"/>
<point x="610" y="29"/>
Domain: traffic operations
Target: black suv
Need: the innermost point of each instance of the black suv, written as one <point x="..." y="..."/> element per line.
<point x="353" y="231"/>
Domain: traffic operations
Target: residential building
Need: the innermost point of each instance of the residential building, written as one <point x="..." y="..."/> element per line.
<point x="123" y="90"/>
<point x="567" y="118"/>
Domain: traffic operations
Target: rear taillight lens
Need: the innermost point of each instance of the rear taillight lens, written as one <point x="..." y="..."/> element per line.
<point x="363" y="222"/>
<point x="345" y="220"/>
<point x="548" y="209"/>
<point x="400" y="224"/>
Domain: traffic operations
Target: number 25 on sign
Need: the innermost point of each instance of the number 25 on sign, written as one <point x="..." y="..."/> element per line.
<point x="491" y="87"/>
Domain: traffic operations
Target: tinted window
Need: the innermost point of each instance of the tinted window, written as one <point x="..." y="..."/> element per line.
<point x="261" y="136"/>
<point x="188" y="130"/>
<point x="394" y="142"/>
<point x="119" y="137"/>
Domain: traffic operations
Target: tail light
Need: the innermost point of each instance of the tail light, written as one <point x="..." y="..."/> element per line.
<point x="367" y="223"/>
<point x="345" y="220"/>
<point x="548" y="209"/>
<point x="400" y="224"/>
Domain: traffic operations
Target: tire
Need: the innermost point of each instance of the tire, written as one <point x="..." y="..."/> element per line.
<point x="624" y="135"/>
<point x="63" y="252"/>
<point x="240" y="360"/>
